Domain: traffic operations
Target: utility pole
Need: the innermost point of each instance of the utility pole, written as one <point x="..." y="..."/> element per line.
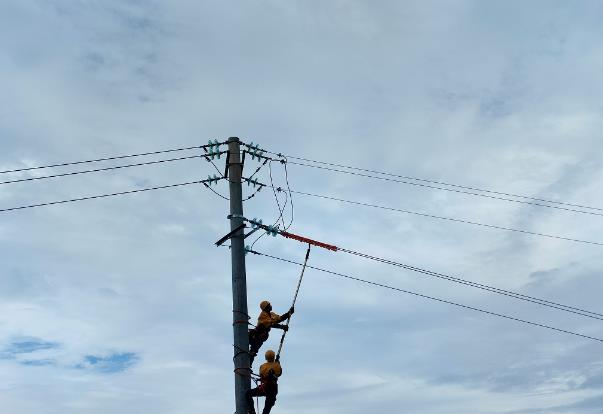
<point x="239" y="282"/>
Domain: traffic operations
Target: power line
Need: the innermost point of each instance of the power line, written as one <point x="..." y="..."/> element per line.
<point x="432" y="298"/>
<point x="474" y="223"/>
<point x="515" y="295"/>
<point x="446" y="189"/>
<point x="100" y="169"/>
<point x="64" y="164"/>
<point x="406" y="177"/>
<point x="103" y="195"/>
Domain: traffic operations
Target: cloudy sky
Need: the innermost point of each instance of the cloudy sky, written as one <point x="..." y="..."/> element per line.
<point x="124" y="304"/>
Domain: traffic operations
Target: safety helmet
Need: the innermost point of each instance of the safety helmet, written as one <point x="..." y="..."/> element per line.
<point x="270" y="355"/>
<point x="264" y="304"/>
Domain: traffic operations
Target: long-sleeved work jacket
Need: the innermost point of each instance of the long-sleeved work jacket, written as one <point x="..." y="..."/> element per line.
<point x="266" y="377"/>
<point x="267" y="320"/>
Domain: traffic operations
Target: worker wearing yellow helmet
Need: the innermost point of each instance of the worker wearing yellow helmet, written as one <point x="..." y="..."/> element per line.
<point x="269" y="373"/>
<point x="266" y="321"/>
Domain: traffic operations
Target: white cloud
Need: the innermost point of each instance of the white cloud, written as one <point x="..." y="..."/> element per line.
<point x="501" y="96"/>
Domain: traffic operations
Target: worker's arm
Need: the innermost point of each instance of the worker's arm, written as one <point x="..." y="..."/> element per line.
<point x="278" y="371"/>
<point x="287" y="315"/>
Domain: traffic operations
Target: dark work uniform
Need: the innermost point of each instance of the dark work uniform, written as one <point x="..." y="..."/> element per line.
<point x="269" y="373"/>
<point x="260" y="333"/>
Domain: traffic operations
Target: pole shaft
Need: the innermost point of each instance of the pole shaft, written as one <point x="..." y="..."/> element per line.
<point x="239" y="282"/>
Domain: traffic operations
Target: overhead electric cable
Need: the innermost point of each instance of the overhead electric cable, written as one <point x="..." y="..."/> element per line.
<point x="290" y="195"/>
<point x="515" y="295"/>
<point x="431" y="297"/>
<point x="519" y="296"/>
<point x="446" y="189"/>
<point x="100" y="169"/>
<point x="281" y="210"/>
<point x="474" y="223"/>
<point x="102" y="196"/>
<point x="64" y="164"/>
<point x="406" y="177"/>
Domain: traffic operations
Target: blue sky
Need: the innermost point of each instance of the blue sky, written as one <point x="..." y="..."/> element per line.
<point x="118" y="304"/>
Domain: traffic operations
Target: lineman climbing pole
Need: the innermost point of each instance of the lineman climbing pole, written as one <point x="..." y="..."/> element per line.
<point x="239" y="282"/>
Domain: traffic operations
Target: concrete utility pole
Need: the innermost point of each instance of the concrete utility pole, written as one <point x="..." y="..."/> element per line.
<point x="239" y="281"/>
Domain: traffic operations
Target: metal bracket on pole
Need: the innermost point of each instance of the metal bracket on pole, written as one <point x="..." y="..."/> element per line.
<point x="226" y="168"/>
<point x="231" y="234"/>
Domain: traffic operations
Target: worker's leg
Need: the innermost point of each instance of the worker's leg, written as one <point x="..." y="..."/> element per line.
<point x="256" y="340"/>
<point x="271" y="393"/>
<point x="253" y="345"/>
<point x="255" y="392"/>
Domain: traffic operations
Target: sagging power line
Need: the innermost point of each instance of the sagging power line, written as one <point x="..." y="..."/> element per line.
<point x="141" y="190"/>
<point x="406" y="177"/>
<point x="117" y="157"/>
<point x="515" y="295"/>
<point x="117" y="167"/>
<point x="500" y="315"/>
<point x="474" y="223"/>
<point x="417" y="184"/>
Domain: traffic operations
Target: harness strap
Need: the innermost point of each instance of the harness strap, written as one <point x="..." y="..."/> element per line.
<point x="301" y="277"/>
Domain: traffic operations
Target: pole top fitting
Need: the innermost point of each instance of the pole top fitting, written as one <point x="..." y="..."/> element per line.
<point x="233" y="139"/>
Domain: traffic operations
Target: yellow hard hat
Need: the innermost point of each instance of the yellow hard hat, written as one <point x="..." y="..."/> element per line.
<point x="264" y="304"/>
<point x="270" y="355"/>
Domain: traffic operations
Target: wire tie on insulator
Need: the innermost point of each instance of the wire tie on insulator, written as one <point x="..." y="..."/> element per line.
<point x="215" y="149"/>
<point x="255" y="223"/>
<point x="272" y="231"/>
<point x="213" y="179"/>
<point x="252" y="150"/>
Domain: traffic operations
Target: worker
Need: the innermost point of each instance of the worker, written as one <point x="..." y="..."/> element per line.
<point x="269" y="373"/>
<point x="266" y="321"/>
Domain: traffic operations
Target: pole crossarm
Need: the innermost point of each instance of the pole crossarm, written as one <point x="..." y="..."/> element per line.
<point x="273" y="230"/>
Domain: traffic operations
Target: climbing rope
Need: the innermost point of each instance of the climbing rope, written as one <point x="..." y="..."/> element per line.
<point x="299" y="282"/>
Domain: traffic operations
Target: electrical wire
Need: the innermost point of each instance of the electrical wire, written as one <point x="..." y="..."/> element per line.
<point x="215" y="192"/>
<point x="258" y="169"/>
<point x="100" y="169"/>
<point x="474" y="223"/>
<point x="254" y="193"/>
<point x="447" y="189"/>
<point x="405" y="177"/>
<point x="101" y="196"/>
<point x="213" y="163"/>
<point x="500" y="315"/>
<point x="515" y="295"/>
<point x="273" y="224"/>
<point x="290" y="194"/>
<point x="64" y="164"/>
<point x="281" y="210"/>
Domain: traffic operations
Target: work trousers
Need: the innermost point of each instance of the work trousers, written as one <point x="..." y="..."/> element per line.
<point x="268" y="390"/>
<point x="256" y="340"/>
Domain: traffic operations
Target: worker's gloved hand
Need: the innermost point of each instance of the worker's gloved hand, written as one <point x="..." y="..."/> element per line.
<point x="285" y="328"/>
